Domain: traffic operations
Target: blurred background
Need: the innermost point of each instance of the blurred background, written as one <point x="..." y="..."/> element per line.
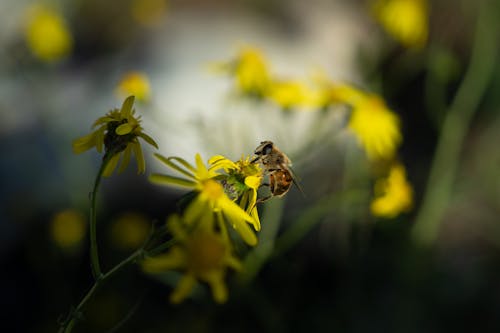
<point x="63" y="64"/>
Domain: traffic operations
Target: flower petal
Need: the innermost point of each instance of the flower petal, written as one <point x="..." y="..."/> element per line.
<point x="111" y="165"/>
<point x="148" y="139"/>
<point x="141" y="163"/>
<point x="124" y="129"/>
<point x="183" y="289"/>
<point x="126" y="109"/>
<point x="174" y="259"/>
<point x="170" y="180"/>
<point x="126" y="159"/>
<point x="169" y="163"/>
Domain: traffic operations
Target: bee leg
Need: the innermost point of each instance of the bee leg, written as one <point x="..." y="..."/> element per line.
<point x="263" y="199"/>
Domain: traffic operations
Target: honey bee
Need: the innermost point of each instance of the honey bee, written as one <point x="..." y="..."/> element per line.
<point x="277" y="165"/>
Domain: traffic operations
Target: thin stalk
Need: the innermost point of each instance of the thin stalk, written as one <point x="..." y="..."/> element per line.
<point x="94" y="254"/>
<point x="455" y="126"/>
<point x="70" y="323"/>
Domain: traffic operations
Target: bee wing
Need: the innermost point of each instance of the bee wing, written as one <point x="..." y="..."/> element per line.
<point x="295" y="180"/>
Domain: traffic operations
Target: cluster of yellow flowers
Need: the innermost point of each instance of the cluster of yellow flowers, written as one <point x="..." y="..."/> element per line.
<point x="225" y="197"/>
<point x="375" y="126"/>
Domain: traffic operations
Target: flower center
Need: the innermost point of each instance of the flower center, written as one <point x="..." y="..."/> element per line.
<point x="206" y="252"/>
<point x="212" y="189"/>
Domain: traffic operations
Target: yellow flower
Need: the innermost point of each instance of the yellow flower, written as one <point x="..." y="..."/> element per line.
<point x="243" y="180"/>
<point x="375" y="126"/>
<point x="393" y="195"/>
<point x="68" y="228"/>
<point x="136" y="84"/>
<point x="405" y="20"/>
<point x="130" y="231"/>
<point x="201" y="254"/>
<point x="210" y="197"/>
<point x="250" y="70"/>
<point x="118" y="132"/>
<point x="47" y="35"/>
<point x="290" y="93"/>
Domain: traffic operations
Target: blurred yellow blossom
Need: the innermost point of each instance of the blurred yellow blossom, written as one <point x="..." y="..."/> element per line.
<point x="290" y="93"/>
<point x="201" y="254"/>
<point x="130" y="230"/>
<point x="393" y="195"/>
<point x="243" y="180"/>
<point x="68" y="228"/>
<point x="47" y="35"/>
<point x="250" y="70"/>
<point x="405" y="20"/>
<point x="118" y="131"/>
<point x="148" y="12"/>
<point x="211" y="197"/>
<point x="376" y="127"/>
<point x="136" y="84"/>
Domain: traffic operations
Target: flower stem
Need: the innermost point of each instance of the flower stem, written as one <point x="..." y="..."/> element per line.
<point x="70" y="322"/>
<point x="94" y="254"/>
<point x="455" y="125"/>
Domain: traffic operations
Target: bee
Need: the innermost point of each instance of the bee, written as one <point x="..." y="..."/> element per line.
<point x="277" y="165"/>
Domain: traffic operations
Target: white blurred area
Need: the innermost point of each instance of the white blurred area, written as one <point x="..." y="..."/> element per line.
<point x="196" y="111"/>
<point x="192" y="109"/>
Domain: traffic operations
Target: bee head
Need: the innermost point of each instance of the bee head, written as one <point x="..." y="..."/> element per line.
<point x="265" y="148"/>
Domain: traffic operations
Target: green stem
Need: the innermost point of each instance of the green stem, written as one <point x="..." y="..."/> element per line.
<point x="69" y="324"/>
<point x="455" y="126"/>
<point x="94" y="254"/>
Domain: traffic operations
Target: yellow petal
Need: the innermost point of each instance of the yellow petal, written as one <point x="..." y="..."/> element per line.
<point x="124" y="129"/>
<point x="111" y="165"/>
<point x="170" y="180"/>
<point x="174" y="259"/>
<point x="253" y="181"/>
<point x="141" y="163"/>
<point x="219" y="289"/>
<point x="126" y="109"/>
<point x="183" y="289"/>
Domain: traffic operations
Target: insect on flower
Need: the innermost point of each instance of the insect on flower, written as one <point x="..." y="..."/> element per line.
<point x="277" y="165"/>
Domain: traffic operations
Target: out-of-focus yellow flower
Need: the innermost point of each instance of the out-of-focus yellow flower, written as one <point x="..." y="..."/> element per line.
<point x="118" y="131"/>
<point x="250" y="71"/>
<point x="405" y="20"/>
<point x="393" y="195"/>
<point x="148" y="12"/>
<point x="210" y="197"/>
<point x="134" y="84"/>
<point x="130" y="230"/>
<point x="376" y="127"/>
<point x="243" y="180"/>
<point x="290" y="93"/>
<point x="68" y="228"/>
<point x="47" y="34"/>
<point x="201" y="254"/>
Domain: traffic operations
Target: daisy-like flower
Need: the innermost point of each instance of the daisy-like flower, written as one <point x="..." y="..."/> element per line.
<point x="393" y="195"/>
<point x="405" y="20"/>
<point x="201" y="254"/>
<point x="211" y="197"/>
<point x="136" y="84"/>
<point x="250" y="70"/>
<point x="118" y="132"/>
<point x="242" y="182"/>
<point x="47" y="34"/>
<point x="375" y="126"/>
